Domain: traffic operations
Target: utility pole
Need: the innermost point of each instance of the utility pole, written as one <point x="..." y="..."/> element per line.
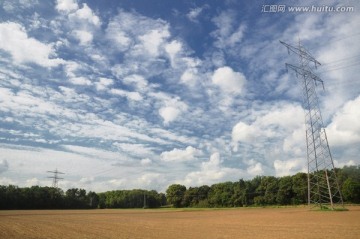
<point x="323" y="186"/>
<point x="55" y="177"/>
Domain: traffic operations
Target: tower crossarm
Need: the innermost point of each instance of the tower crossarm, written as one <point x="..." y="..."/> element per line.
<point x="305" y="73"/>
<point x="301" y="52"/>
<point x="55" y="172"/>
<point x="55" y="178"/>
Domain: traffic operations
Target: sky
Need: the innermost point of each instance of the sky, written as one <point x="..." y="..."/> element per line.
<point x="146" y="93"/>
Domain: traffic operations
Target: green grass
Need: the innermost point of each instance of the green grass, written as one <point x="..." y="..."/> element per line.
<point x="326" y="208"/>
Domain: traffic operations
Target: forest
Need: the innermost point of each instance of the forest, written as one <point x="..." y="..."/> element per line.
<point x="259" y="191"/>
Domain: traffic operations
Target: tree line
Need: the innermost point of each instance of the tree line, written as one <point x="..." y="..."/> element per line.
<point x="36" y="197"/>
<point x="136" y="198"/>
<point x="259" y="191"/>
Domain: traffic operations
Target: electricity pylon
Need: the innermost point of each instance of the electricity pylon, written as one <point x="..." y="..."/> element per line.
<point x="323" y="186"/>
<point x="55" y="177"/>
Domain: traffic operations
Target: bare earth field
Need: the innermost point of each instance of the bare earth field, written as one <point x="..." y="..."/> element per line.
<point x="160" y="224"/>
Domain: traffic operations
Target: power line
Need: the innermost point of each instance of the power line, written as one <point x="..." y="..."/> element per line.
<point x="338" y="39"/>
<point x="340" y="67"/>
<point x="343" y="59"/>
<point x="343" y="38"/>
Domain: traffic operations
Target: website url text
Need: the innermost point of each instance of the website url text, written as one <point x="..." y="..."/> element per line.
<point x="284" y="8"/>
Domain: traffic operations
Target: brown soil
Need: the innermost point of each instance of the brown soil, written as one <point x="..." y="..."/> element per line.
<point x="228" y="223"/>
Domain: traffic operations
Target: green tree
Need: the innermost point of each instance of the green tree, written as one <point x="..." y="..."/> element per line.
<point x="351" y="190"/>
<point x="267" y="191"/>
<point x="220" y="195"/>
<point x="3" y="197"/>
<point x="239" y="197"/>
<point x="285" y="192"/>
<point x="162" y="199"/>
<point x="76" y="198"/>
<point x="251" y="190"/>
<point x="93" y="199"/>
<point x="13" y="197"/>
<point x="202" y="197"/>
<point x="300" y="188"/>
<point x="191" y="197"/>
<point x="175" y="194"/>
<point x="348" y="172"/>
<point x="102" y="200"/>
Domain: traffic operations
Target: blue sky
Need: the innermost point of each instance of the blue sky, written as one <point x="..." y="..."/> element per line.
<point x="143" y="94"/>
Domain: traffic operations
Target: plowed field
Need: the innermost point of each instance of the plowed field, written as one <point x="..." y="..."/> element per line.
<point x="160" y="224"/>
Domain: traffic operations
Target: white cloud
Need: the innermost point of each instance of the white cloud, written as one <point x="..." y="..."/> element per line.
<point x="80" y="81"/>
<point x="237" y="35"/>
<point x="275" y="132"/>
<point x="177" y="155"/>
<point x="229" y="80"/>
<point x="243" y="132"/>
<point x="169" y="114"/>
<point x="138" y="150"/>
<point x="146" y="162"/>
<point x="228" y="33"/>
<point x="116" y="33"/>
<point x="87" y="180"/>
<point x="289" y="167"/>
<point x="213" y="164"/>
<point x="71" y="122"/>
<point x="4" y="166"/>
<point x="103" y="83"/>
<point x="190" y="77"/>
<point x="255" y="169"/>
<point x="152" y="40"/>
<point x="173" y="49"/>
<point x="85" y="14"/>
<point x="295" y="142"/>
<point x="280" y="114"/>
<point x="344" y="128"/>
<point x="66" y="5"/>
<point x="32" y="182"/>
<point x="147" y="46"/>
<point x="15" y="5"/>
<point x="84" y="167"/>
<point x="24" y="104"/>
<point x="36" y="22"/>
<point x="342" y="164"/>
<point x="218" y="58"/>
<point x="136" y="81"/>
<point x="7" y="181"/>
<point x="211" y="172"/>
<point x="24" y="158"/>
<point x="135" y="96"/>
<point x="71" y="67"/>
<point x="146" y="36"/>
<point x="194" y="13"/>
<point x="172" y="107"/>
<point x="84" y="37"/>
<point x="24" y="49"/>
<point x="224" y="22"/>
<point x="91" y="152"/>
<point x="147" y="180"/>
<point x="144" y="181"/>
<point x="271" y="122"/>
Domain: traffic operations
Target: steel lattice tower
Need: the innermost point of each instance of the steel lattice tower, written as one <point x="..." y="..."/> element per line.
<point x="55" y="177"/>
<point x="323" y="186"/>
